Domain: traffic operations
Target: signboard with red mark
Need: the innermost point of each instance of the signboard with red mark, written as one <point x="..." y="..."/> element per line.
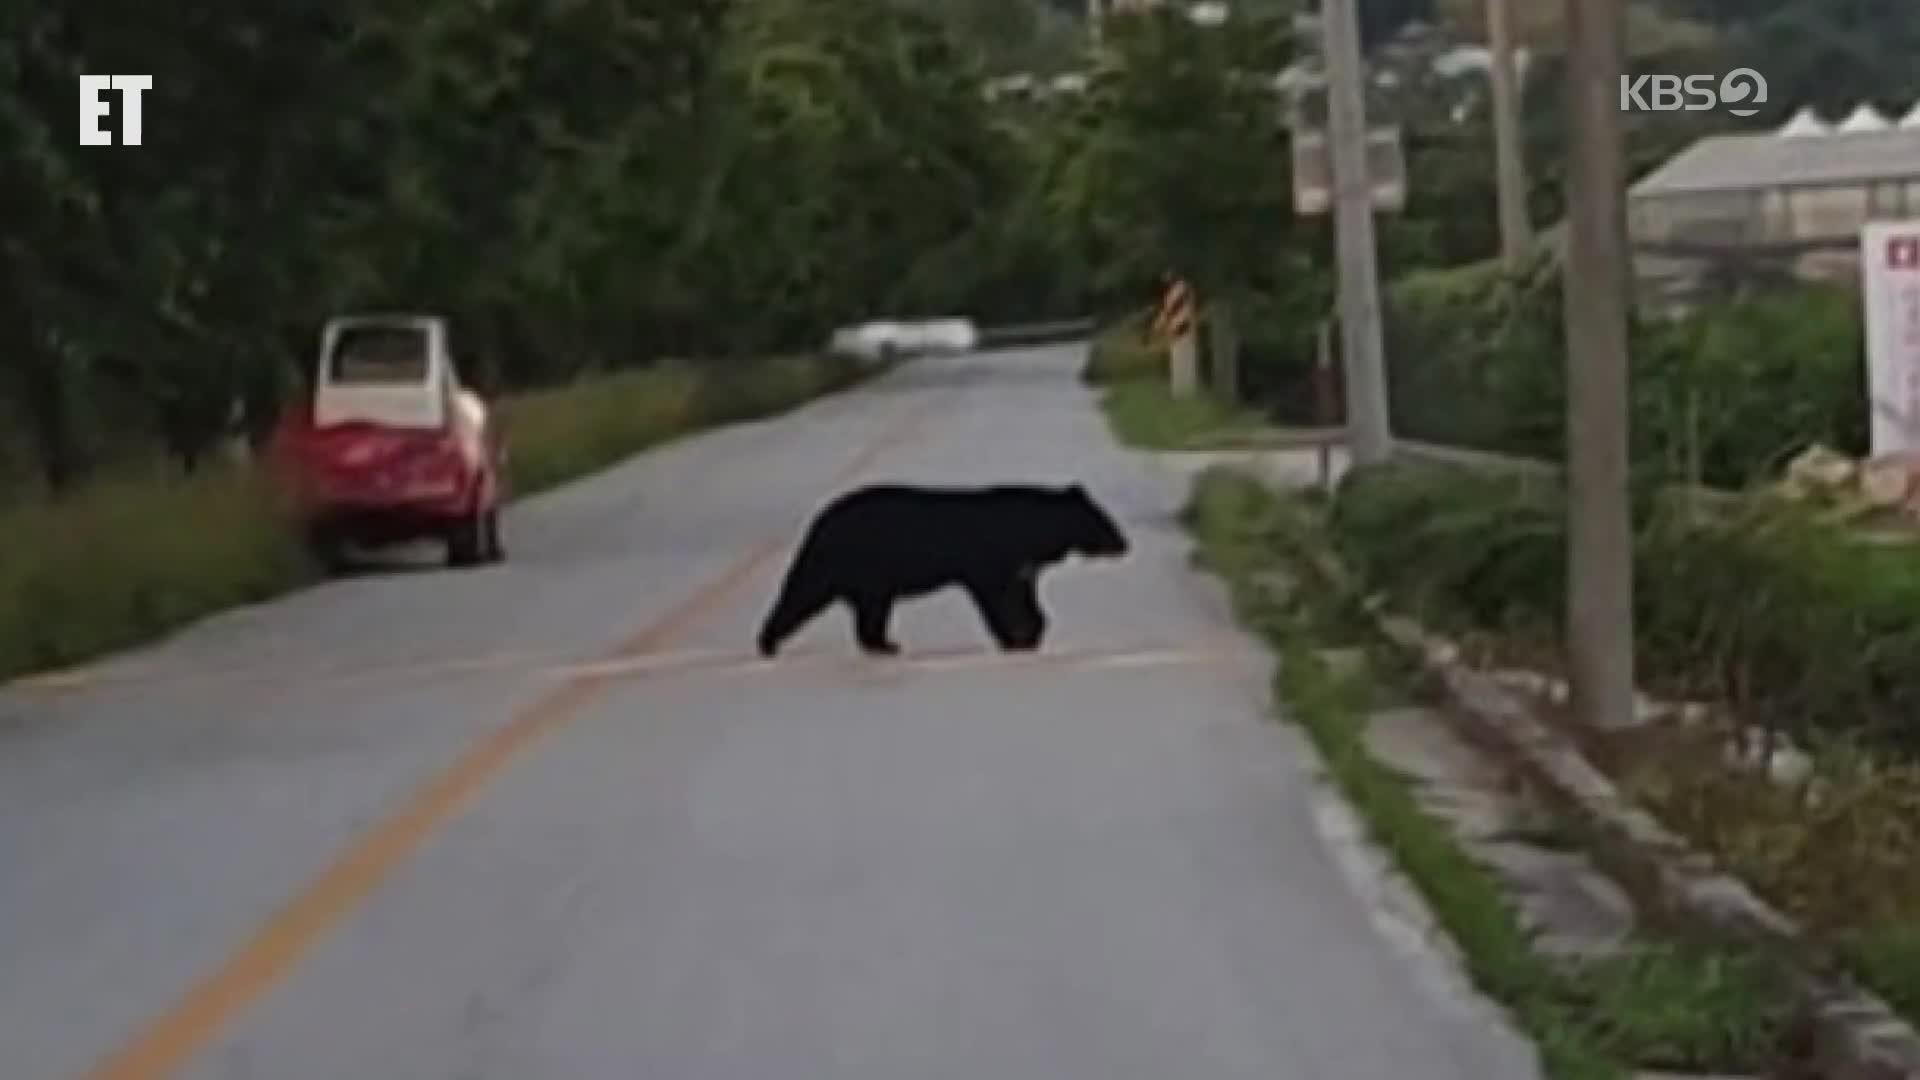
<point x="1890" y="268"/>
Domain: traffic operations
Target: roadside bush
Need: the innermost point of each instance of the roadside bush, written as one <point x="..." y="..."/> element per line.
<point x="1476" y="359"/>
<point x="1662" y="1001"/>
<point x="1744" y="386"/>
<point x="556" y="435"/>
<point x="117" y="563"/>
<point x="1796" y="624"/>
<point x="121" y="561"/>
<point x="1120" y="353"/>
<point x="1836" y="853"/>
<point x="1726" y="394"/>
<point x="1277" y="354"/>
<point x="750" y="388"/>
<point x="1145" y="413"/>
<point x="1467" y="549"/>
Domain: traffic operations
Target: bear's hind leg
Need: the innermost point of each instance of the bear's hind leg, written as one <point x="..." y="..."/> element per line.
<point x="871" y="614"/>
<point x="800" y="600"/>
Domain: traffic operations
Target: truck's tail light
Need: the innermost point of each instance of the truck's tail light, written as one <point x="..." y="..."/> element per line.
<point x="439" y="459"/>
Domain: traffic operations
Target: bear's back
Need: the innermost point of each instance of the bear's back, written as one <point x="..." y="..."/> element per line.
<point x="950" y="525"/>
<point x="922" y="507"/>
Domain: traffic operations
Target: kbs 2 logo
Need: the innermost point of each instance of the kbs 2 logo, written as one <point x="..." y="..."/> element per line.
<point x="1739" y="92"/>
<point x="93" y="109"/>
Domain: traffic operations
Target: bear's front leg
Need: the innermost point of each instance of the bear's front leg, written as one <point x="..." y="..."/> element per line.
<point x="1011" y="609"/>
<point x="871" y="614"/>
<point x="1029" y="619"/>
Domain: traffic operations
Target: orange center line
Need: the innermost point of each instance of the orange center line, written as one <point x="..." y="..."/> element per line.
<point x="79" y="680"/>
<point x="717" y="662"/>
<point x="171" y="1039"/>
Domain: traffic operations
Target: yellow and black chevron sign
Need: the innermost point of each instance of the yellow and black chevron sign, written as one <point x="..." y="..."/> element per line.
<point x="1174" y="320"/>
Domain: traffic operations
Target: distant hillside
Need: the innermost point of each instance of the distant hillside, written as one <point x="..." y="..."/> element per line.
<point x="1652" y="29"/>
<point x="1015" y="35"/>
<point x="1831" y="54"/>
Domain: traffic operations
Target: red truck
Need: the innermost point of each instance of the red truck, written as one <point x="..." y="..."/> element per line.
<point x="390" y="448"/>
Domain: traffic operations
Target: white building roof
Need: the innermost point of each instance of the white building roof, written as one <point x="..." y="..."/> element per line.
<point x="1749" y="162"/>
<point x="1805" y="123"/>
<point x="1865" y="118"/>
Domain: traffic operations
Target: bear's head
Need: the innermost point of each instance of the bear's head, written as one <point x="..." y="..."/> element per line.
<point x="1091" y="531"/>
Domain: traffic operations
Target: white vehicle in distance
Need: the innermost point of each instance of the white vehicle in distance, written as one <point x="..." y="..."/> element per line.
<point x="868" y="341"/>
<point x="948" y="337"/>
<point x="888" y="340"/>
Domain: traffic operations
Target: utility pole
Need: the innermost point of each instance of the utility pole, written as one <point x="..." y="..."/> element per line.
<point x="1600" y="531"/>
<point x="1367" y="424"/>
<point x="1516" y="231"/>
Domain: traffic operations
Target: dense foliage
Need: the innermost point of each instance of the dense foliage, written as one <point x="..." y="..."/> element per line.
<point x="598" y="184"/>
<point x="1799" y="626"/>
<point x="579" y="186"/>
<point x="1831" y="54"/>
<point x="1725" y="395"/>
<point x="1171" y="165"/>
<point x="1177" y="161"/>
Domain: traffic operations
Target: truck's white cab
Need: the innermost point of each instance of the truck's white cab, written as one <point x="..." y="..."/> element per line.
<point x="387" y="370"/>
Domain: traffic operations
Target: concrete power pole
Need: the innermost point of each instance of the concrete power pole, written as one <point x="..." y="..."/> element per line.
<point x="1600" y="551"/>
<point x="1516" y="231"/>
<point x="1370" y="436"/>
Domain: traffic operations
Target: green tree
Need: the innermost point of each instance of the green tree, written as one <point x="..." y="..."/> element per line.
<point x="577" y="185"/>
<point x="1180" y="163"/>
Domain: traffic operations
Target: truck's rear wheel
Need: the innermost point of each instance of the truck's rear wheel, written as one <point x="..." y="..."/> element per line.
<point x="496" y="545"/>
<point x="327" y="549"/>
<point x="467" y="540"/>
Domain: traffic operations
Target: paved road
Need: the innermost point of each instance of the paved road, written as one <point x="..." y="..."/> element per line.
<point x="549" y="820"/>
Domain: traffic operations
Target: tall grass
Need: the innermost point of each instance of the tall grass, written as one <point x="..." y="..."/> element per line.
<point x="1145" y="413"/>
<point x="559" y="434"/>
<point x="1664" y="1002"/>
<point x="1797" y="624"/>
<point x="1120" y="353"/>
<point x="1794" y="624"/>
<point x="122" y="561"/>
<point x="1729" y="393"/>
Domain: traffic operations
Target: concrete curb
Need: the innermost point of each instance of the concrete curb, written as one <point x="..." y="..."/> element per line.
<point x="1857" y="1035"/>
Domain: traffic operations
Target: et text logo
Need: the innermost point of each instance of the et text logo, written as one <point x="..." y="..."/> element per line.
<point x="94" y="108"/>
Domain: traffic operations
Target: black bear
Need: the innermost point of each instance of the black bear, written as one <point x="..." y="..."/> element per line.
<point x="878" y="545"/>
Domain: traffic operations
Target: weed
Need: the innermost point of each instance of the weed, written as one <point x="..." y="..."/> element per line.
<point x="1665" y="1004"/>
<point x="1120" y="353"/>
<point x="1887" y="958"/>
<point x="1685" y="1007"/>
<point x="124" y="560"/>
